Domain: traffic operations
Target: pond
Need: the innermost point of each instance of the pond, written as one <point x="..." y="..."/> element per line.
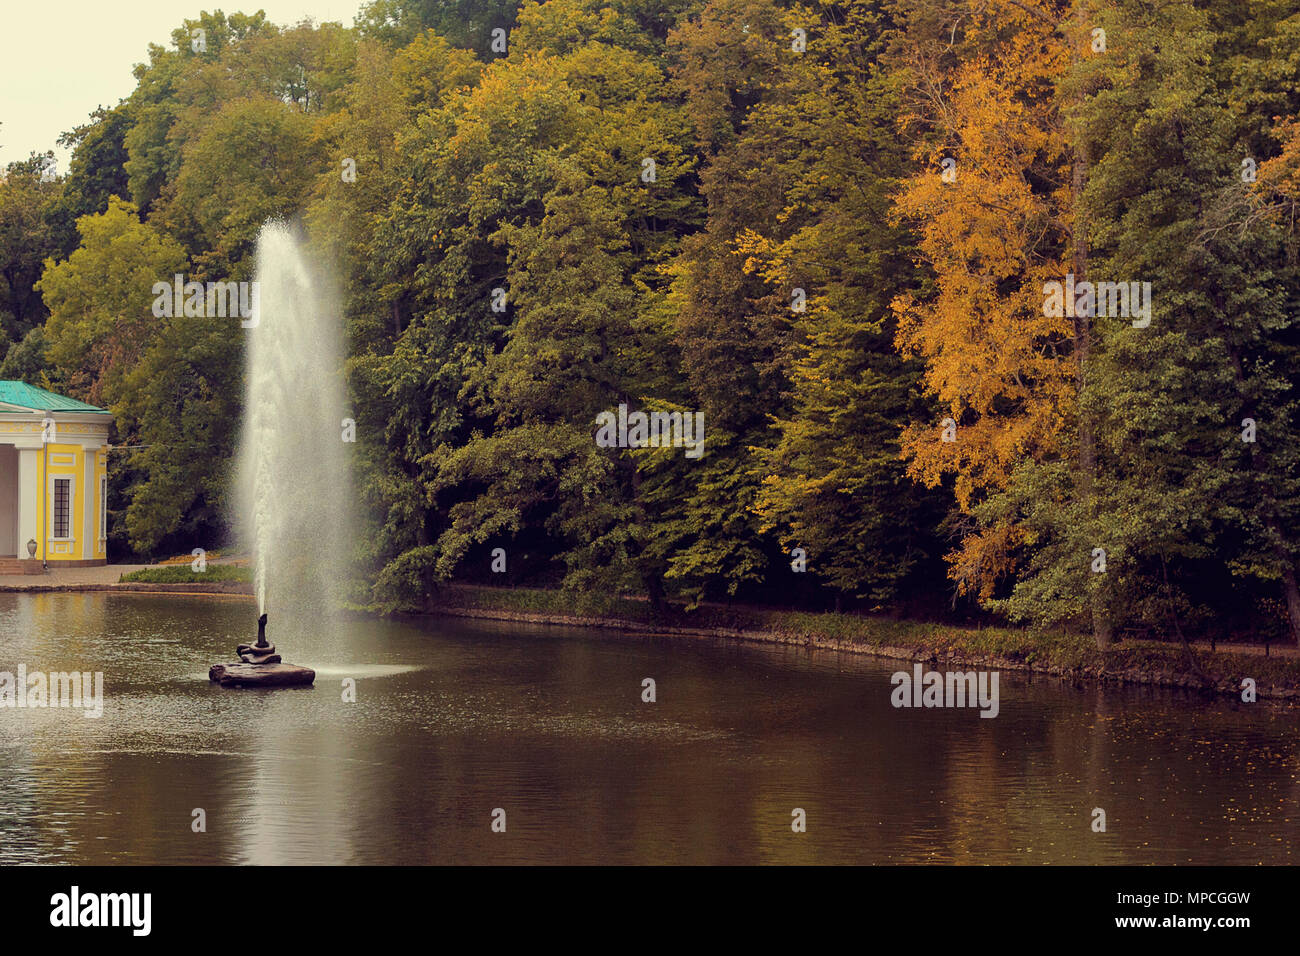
<point x="455" y="719"/>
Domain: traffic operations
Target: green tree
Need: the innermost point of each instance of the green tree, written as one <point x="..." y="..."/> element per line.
<point x="28" y="209"/>
<point x="101" y="301"/>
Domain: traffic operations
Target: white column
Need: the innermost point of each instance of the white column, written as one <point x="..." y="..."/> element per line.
<point x="89" y="500"/>
<point x="29" y="500"/>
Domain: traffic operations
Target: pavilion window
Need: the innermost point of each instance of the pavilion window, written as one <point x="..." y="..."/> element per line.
<point x="62" y="512"/>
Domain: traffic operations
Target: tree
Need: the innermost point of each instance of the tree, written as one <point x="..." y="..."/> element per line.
<point x="29" y="203"/>
<point x="255" y="161"/>
<point x="998" y="223"/>
<point x="98" y="169"/>
<point x="834" y="482"/>
<point x="101" y="301"/>
<point x="465" y="23"/>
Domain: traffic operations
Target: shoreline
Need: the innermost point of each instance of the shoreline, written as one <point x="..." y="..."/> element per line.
<point x="1070" y="659"/>
<point x="228" y="589"/>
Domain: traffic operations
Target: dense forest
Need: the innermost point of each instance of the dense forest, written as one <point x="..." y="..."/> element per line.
<point x="858" y="237"/>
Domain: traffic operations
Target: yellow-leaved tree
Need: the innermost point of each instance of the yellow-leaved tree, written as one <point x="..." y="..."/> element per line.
<point x="993" y="203"/>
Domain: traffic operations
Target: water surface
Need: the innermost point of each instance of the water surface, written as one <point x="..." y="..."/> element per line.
<point x="455" y="718"/>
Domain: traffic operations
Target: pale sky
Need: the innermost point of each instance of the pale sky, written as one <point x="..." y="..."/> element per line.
<point x="59" y="59"/>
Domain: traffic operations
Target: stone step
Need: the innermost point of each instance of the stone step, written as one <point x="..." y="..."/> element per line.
<point x="20" y="566"/>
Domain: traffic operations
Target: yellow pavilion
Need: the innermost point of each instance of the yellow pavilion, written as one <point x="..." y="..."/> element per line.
<point x="53" y="480"/>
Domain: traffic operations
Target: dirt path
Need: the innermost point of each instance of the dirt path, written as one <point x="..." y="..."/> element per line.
<point x="67" y="577"/>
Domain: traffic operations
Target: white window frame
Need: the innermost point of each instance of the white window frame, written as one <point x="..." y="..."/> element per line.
<point x="72" y="497"/>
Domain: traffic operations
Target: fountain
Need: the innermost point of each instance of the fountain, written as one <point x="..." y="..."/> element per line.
<point x="295" y="496"/>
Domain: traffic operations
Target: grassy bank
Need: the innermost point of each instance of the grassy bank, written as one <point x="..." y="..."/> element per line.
<point x="1072" y="656"/>
<point x="182" y="574"/>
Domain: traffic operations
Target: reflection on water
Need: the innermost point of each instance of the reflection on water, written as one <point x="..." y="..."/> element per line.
<point x="453" y="719"/>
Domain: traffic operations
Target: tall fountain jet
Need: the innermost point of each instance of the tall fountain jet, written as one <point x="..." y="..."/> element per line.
<point x="295" y="490"/>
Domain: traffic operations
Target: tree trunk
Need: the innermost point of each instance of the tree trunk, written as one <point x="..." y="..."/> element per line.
<point x="1188" y="655"/>
<point x="655" y="591"/>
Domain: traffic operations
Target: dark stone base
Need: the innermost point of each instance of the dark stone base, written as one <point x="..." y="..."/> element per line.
<point x="252" y="657"/>
<point x="261" y="675"/>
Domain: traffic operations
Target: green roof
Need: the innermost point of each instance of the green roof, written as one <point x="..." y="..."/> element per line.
<point x="38" y="399"/>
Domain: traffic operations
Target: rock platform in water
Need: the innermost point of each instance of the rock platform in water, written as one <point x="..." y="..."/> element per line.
<point x="261" y="675"/>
